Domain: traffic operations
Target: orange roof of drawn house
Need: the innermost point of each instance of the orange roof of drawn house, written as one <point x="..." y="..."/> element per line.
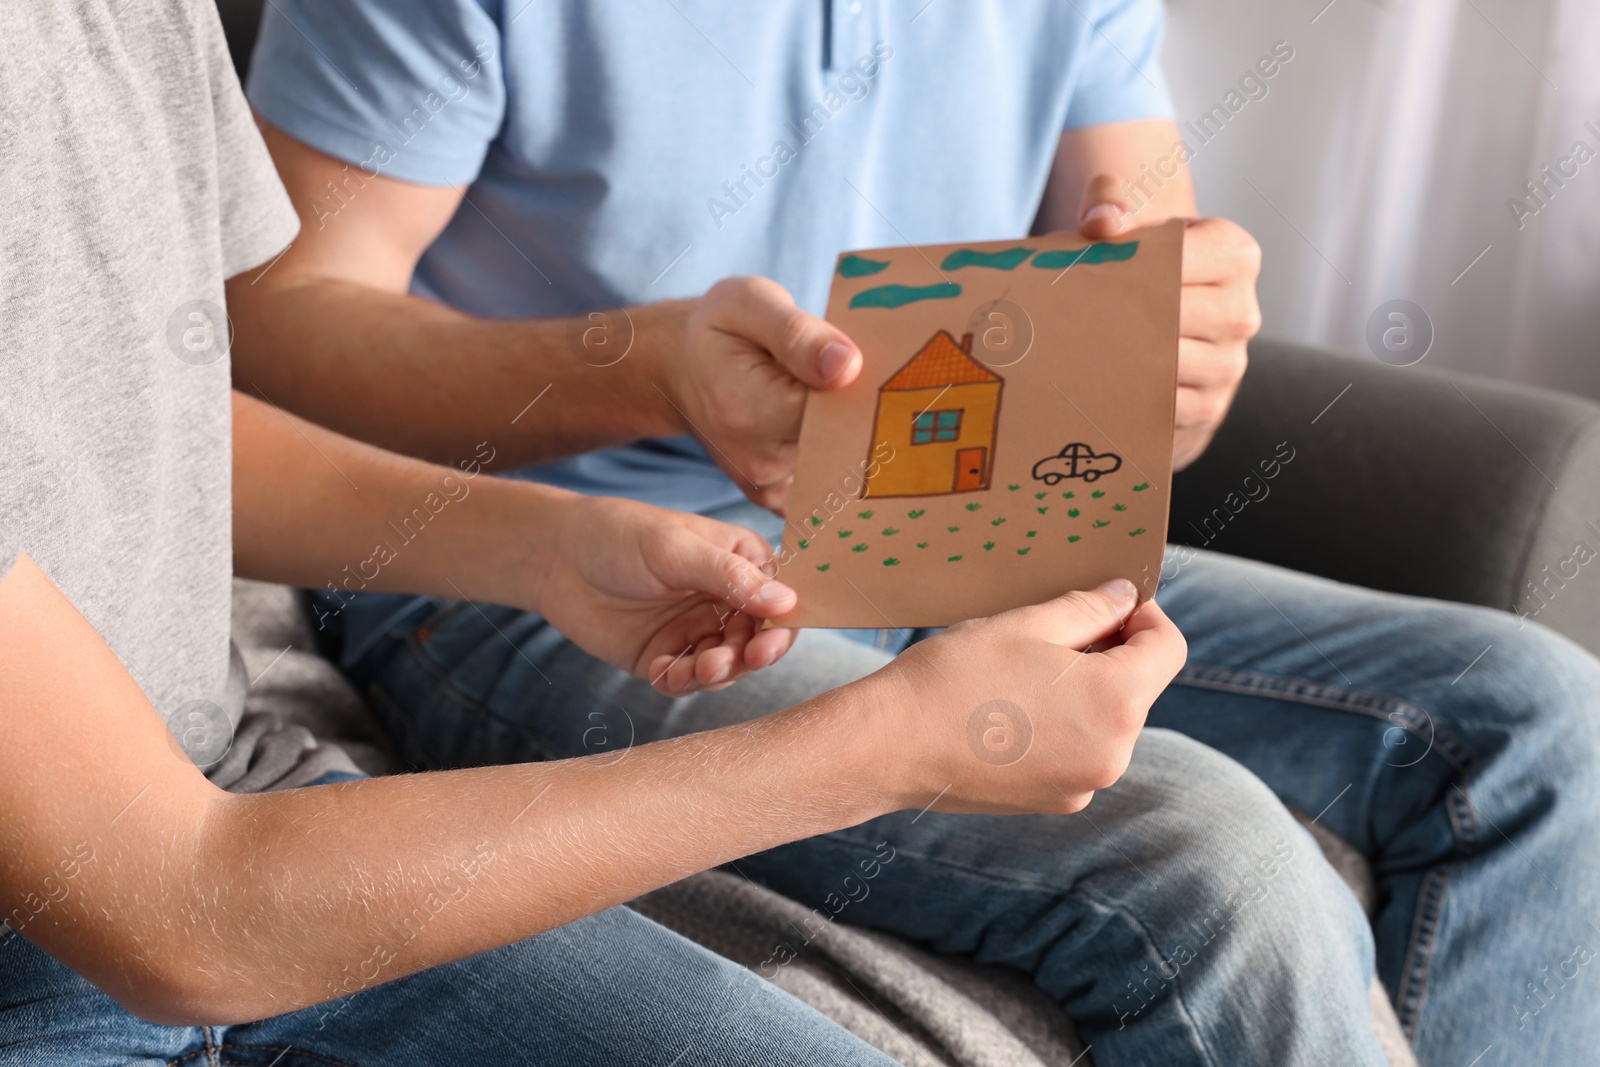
<point x="941" y="362"/>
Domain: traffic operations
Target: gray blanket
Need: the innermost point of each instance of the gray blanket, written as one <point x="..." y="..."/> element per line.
<point x="922" y="1009"/>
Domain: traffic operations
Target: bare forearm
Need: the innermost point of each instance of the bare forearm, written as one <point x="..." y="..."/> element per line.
<point x="426" y="380"/>
<point x="389" y="876"/>
<point x="316" y="509"/>
<point x="191" y="905"/>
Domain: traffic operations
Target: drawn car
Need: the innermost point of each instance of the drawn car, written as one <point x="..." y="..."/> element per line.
<point x="1077" y="460"/>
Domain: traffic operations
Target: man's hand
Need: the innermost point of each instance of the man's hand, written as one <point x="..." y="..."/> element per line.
<point x="675" y="598"/>
<point x="1218" y="313"/>
<point x="749" y="355"/>
<point x="1031" y="710"/>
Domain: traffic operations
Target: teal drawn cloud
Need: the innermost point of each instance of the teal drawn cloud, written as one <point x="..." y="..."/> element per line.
<point x="1009" y="259"/>
<point x="1095" y="253"/>
<point x="893" y="296"/>
<point x="854" y="266"/>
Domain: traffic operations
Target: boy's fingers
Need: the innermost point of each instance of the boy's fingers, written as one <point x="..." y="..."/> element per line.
<point x="1152" y="649"/>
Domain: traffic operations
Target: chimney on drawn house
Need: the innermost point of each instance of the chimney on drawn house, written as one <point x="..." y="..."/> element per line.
<point x="966" y="343"/>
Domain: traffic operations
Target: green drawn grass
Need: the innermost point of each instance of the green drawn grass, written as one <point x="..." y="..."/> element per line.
<point x="987" y="545"/>
<point x="1073" y="538"/>
<point x="1098" y="493"/>
<point x="1119" y="507"/>
<point x="1024" y="551"/>
<point x="917" y="513"/>
<point x="974" y="507"/>
<point x="1101" y="522"/>
<point x="1136" y="533"/>
<point x="824" y="566"/>
<point x="889" y="531"/>
<point x="1141" y="488"/>
<point x="997" y="522"/>
<point x="1072" y="513"/>
<point x="953" y="559"/>
<point x="953" y="529"/>
<point x="845" y="533"/>
<point x="864" y="514"/>
<point x="891" y="562"/>
<point x="858" y="548"/>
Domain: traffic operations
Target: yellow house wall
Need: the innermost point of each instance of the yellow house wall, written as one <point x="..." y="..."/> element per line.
<point x="925" y="470"/>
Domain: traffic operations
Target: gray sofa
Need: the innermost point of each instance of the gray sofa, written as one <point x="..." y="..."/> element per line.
<point x="1413" y="481"/>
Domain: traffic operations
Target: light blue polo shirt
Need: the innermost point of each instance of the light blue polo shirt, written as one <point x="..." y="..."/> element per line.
<point x="626" y="151"/>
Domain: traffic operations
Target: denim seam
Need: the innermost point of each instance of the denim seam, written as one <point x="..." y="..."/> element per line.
<point x="448" y="689"/>
<point x="1374" y="705"/>
<point x="1047" y="890"/>
<point x="1413" y="990"/>
<point x="284" y="1050"/>
<point x="445" y="686"/>
<point x="1458" y="808"/>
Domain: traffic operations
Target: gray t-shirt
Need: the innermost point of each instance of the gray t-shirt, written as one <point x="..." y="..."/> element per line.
<point x="132" y="182"/>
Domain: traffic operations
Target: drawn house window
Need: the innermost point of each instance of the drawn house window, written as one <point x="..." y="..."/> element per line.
<point x="950" y="404"/>
<point x="931" y="426"/>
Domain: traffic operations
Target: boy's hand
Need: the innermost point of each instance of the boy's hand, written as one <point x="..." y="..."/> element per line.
<point x="676" y="599"/>
<point x="1217" y="315"/>
<point x="1006" y="715"/>
<point x="748" y="356"/>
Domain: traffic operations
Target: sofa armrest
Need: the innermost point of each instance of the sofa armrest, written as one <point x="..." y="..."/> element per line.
<point x="1406" y="480"/>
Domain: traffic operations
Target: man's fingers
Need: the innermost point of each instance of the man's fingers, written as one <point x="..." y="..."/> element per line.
<point x="817" y="353"/>
<point x="1204" y="365"/>
<point x="1218" y="250"/>
<point x="1076" y="619"/>
<point x="1220" y="313"/>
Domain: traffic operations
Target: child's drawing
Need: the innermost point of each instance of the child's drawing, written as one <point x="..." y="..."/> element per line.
<point x="1077" y="460"/>
<point x="940" y="413"/>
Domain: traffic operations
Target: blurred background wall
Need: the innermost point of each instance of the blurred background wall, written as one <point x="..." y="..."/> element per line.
<point x="1389" y="160"/>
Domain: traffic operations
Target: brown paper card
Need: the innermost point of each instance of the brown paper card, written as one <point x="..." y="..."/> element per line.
<point x="1009" y="439"/>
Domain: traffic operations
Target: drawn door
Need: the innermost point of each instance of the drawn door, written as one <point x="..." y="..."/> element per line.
<point x="969" y="468"/>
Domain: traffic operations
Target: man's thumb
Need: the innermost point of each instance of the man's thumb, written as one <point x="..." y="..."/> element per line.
<point x="1105" y="209"/>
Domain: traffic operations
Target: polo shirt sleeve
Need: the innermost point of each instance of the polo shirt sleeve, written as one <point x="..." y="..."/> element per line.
<point x="1120" y="78"/>
<point x="411" y="89"/>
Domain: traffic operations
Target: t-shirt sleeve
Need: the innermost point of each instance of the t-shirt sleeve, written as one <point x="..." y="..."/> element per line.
<point x="1120" y="78"/>
<point x="410" y="88"/>
<point x="8" y="550"/>
<point x="257" y="220"/>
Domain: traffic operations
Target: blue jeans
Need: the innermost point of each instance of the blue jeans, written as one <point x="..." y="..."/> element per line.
<point x="1252" y="925"/>
<point x="1456" y="747"/>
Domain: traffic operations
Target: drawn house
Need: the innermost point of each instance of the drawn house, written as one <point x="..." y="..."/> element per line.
<point x="940" y="413"/>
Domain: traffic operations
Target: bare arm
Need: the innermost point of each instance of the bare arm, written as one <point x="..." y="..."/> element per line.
<point x="637" y="586"/>
<point x="193" y="906"/>
<point x="329" y="331"/>
<point x="1111" y="179"/>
